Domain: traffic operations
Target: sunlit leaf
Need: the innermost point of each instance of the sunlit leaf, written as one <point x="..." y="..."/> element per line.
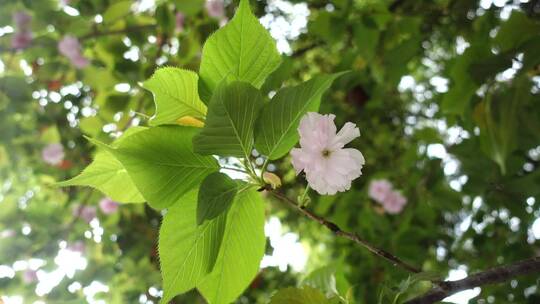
<point x="241" y="252"/>
<point x="243" y="49"/>
<point x="175" y="95"/>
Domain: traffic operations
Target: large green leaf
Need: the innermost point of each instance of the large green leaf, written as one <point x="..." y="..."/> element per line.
<point x="275" y="132"/>
<point x="109" y="176"/>
<point x="458" y="97"/>
<point x="242" y="49"/>
<point x="162" y="163"/>
<point x="516" y="30"/>
<point x="304" y="295"/>
<point x="215" y="197"/>
<point x="242" y="250"/>
<point x="187" y="251"/>
<point x="175" y="95"/>
<point x="229" y="125"/>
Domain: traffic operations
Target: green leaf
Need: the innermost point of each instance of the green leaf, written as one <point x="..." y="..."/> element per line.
<point x="328" y="279"/>
<point x="116" y="11"/>
<point x="516" y="30"/>
<point x="109" y="176"/>
<point x="231" y="117"/>
<point x="458" y="97"/>
<point x="175" y="95"/>
<point x="162" y="163"/>
<point x="275" y="132"/>
<point x="216" y="196"/>
<point x="190" y="8"/>
<point x="242" y="49"/>
<point x="241" y="253"/>
<point x="187" y="251"/>
<point x="304" y="295"/>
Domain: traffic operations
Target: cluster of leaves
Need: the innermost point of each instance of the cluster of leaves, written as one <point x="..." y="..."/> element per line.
<point x="212" y="236"/>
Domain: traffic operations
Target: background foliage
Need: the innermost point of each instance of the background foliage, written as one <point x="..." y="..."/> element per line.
<point x="444" y="92"/>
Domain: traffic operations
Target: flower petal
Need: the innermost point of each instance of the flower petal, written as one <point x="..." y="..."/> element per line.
<point x="349" y="132"/>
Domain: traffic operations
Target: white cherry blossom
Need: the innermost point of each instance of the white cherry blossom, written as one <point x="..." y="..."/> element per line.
<point x="329" y="167"/>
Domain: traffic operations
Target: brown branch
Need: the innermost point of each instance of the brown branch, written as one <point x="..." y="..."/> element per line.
<point x="348" y="235"/>
<point x="117" y="32"/>
<point x="491" y="276"/>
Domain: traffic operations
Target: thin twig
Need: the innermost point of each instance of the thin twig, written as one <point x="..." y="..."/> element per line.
<point x="117" y="32"/>
<point x="348" y="235"/>
<point x="235" y="169"/>
<point x="491" y="276"/>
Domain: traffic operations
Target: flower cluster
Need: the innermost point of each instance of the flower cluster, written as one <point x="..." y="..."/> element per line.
<point x="70" y="47"/>
<point x="381" y="190"/>
<point x="23" y="35"/>
<point x="329" y="167"/>
<point x="216" y="9"/>
<point x="108" y="206"/>
<point x="53" y="154"/>
<point x="87" y="213"/>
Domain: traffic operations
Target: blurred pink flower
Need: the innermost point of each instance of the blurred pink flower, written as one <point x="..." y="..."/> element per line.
<point x="29" y="276"/>
<point x="108" y="206"/>
<point x="70" y="47"/>
<point x="7" y="233"/>
<point x="87" y="213"/>
<point x="328" y="166"/>
<point x="79" y="61"/>
<point x="394" y="202"/>
<point x="53" y="154"/>
<point x="180" y="20"/>
<point x="379" y="189"/>
<point x="78" y="246"/>
<point x="215" y="8"/>
<point x="21" y="40"/>
<point x="22" y="20"/>
<point x="22" y="37"/>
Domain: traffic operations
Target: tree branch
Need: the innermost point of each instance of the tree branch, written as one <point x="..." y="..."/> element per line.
<point x="490" y="276"/>
<point x="117" y="32"/>
<point x="348" y="235"/>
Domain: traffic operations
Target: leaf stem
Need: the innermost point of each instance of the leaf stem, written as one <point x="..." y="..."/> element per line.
<point x="235" y="169"/>
<point x="348" y="235"/>
<point x="303" y="197"/>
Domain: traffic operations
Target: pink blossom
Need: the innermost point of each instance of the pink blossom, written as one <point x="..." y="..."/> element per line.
<point x="23" y="35"/>
<point x="379" y="189"/>
<point x="329" y="167"/>
<point x="108" y="206"/>
<point x="7" y="233"/>
<point x="394" y="202"/>
<point x="215" y="8"/>
<point x="53" y="154"/>
<point x="78" y="246"/>
<point x="87" y="213"/>
<point x="180" y="20"/>
<point x="79" y="61"/>
<point x="22" y="20"/>
<point x="70" y="47"/>
<point x="21" y="40"/>
<point x="29" y="276"/>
